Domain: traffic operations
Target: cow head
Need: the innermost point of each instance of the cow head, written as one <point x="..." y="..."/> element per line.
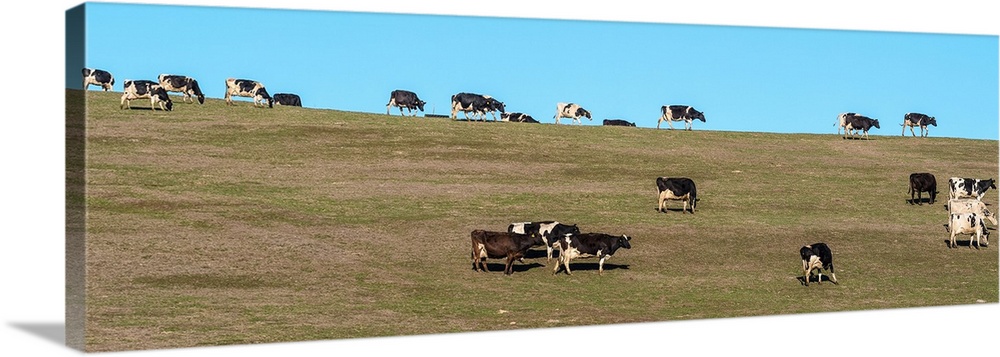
<point x="697" y="115"/>
<point x="931" y="121"/>
<point x="496" y="105"/>
<point x="989" y="183"/>
<point x="262" y="95"/>
<point x="196" y="90"/>
<point x="420" y="104"/>
<point x="161" y="96"/>
<point x="584" y="113"/>
<point x="875" y="123"/>
<point x="623" y="241"/>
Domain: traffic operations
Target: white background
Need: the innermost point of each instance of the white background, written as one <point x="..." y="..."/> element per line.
<point x="33" y="190"/>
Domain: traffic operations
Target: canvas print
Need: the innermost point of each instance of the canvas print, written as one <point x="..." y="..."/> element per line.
<point x="291" y="175"/>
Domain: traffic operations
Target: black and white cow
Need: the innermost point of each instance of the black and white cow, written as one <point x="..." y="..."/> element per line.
<point x="842" y="121"/>
<point x="585" y="245"/>
<point x="248" y="88"/>
<point x="856" y="122"/>
<point x="187" y="86"/>
<point x="968" y="223"/>
<point x="98" y="77"/>
<point x="517" y="118"/>
<point x="496" y="245"/>
<point x="289" y="99"/>
<point x="572" y="111"/>
<point x="550" y="231"/>
<point x="685" y="113"/>
<point x="617" y="122"/>
<point x="475" y="103"/>
<point x="922" y="182"/>
<point x="677" y="189"/>
<point x="919" y="120"/>
<point x="405" y="99"/>
<point x="139" y="89"/>
<point x="817" y="256"/>
<point x="959" y="187"/>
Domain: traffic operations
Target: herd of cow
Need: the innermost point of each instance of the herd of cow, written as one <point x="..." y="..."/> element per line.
<point x="966" y="211"/>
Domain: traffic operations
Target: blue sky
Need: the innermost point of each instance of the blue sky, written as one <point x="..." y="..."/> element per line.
<point x="744" y="78"/>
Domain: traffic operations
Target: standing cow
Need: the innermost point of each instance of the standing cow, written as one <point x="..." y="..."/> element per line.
<point x="968" y="223"/>
<point x="918" y="120"/>
<point x="139" y="89"/>
<point x="677" y="189"/>
<point x="816" y="257"/>
<point x="922" y="182"/>
<point x="98" y="77"/>
<point x="248" y="88"/>
<point x="187" y="86"/>
<point x="685" y="113"/>
<point x="856" y="122"/>
<point x="959" y="187"/>
<point x="550" y="231"/>
<point x="497" y="245"/>
<point x="572" y="111"/>
<point x="475" y="103"/>
<point x="405" y="99"/>
<point x="586" y="245"/>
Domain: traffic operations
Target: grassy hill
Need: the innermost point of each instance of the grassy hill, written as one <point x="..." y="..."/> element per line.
<point x="216" y="224"/>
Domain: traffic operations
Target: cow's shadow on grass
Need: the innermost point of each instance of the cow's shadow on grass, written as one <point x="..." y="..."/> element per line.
<point x="517" y="267"/>
<point x="584" y="266"/>
<point x="814" y="279"/>
<point x="921" y="201"/>
<point x="965" y="243"/>
<point x="857" y="138"/>
<point x="673" y="209"/>
<point x="148" y="109"/>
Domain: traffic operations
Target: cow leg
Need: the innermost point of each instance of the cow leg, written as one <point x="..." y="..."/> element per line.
<point x="122" y="105"/>
<point x="805" y="272"/>
<point x="833" y="276"/>
<point x="658" y="122"/>
<point x="670" y="123"/>
<point x="600" y="266"/>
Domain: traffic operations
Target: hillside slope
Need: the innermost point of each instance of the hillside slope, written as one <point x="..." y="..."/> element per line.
<point x="216" y="224"/>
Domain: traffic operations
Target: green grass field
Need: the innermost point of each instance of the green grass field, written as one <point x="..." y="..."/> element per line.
<point x="215" y="224"/>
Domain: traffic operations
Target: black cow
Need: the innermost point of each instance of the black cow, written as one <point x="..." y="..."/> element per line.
<point x="187" y="86"/>
<point x="855" y="122"/>
<point x="919" y="120"/>
<point x="678" y="189"/>
<point x="922" y="182"/>
<point x="289" y="99"/>
<point x="959" y="187"/>
<point x="98" y="77"/>
<point x="617" y="122"/>
<point x="475" y="103"/>
<point x="550" y="231"/>
<point x="138" y="89"/>
<point x="248" y="88"/>
<point x="517" y="118"/>
<point x="496" y="245"/>
<point x="571" y="110"/>
<point x="405" y="99"/>
<point x="685" y="113"/>
<point x="586" y="245"/>
<point x="817" y="256"/>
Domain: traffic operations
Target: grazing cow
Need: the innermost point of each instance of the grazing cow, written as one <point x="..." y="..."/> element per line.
<point x="248" y="88"/>
<point x="842" y="121"/>
<point x="919" y="120"/>
<point x="139" y="89"/>
<point x="289" y="99"/>
<point x="98" y="77"/>
<point x="187" y="86"/>
<point x="959" y="187"/>
<point x="585" y="245"/>
<point x="857" y="122"/>
<point x="817" y="256"/>
<point x="968" y="223"/>
<point x="572" y="111"/>
<point x="496" y="245"/>
<point x="922" y="182"/>
<point x="677" y="189"/>
<point x="617" y="122"/>
<point x="475" y="103"/>
<point x="405" y="99"/>
<point x="672" y="113"/>
<point x="970" y="205"/>
<point x="517" y="118"/>
<point x="550" y="231"/>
